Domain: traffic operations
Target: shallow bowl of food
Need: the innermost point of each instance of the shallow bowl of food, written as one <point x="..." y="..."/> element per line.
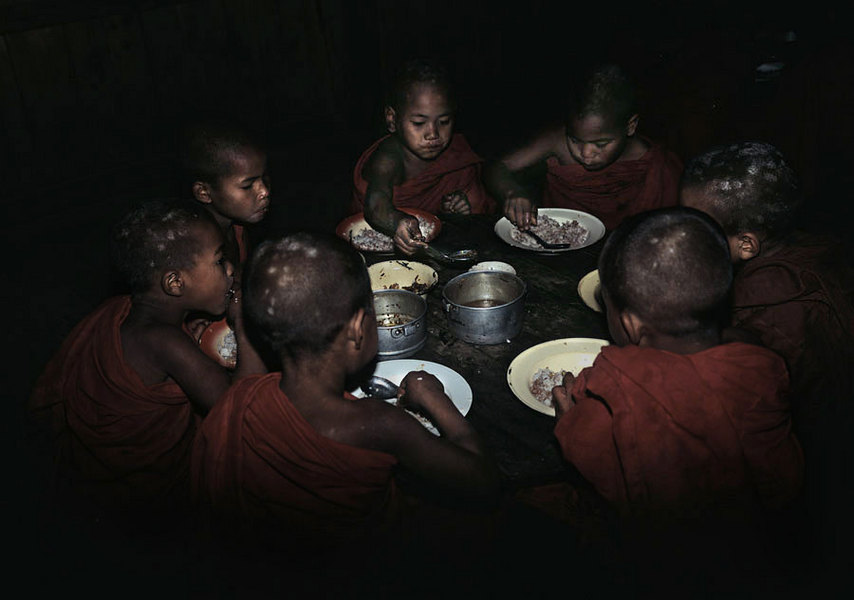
<point x="557" y="226"/>
<point x="364" y="238"/>
<point x="534" y="372"/>
<point x="218" y="342"/>
<point x="403" y="275"/>
<point x="494" y="265"/>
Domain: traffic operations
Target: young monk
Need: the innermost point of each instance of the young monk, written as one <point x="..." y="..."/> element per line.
<point x="291" y="457"/>
<point x="225" y="169"/>
<point x="123" y="396"/>
<point x="421" y="163"/>
<point x="793" y="289"/>
<point x="595" y="160"/>
<point x="676" y="430"/>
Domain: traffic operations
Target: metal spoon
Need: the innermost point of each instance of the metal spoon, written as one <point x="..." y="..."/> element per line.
<point x="546" y="244"/>
<point x="380" y="387"/>
<point x="458" y="257"/>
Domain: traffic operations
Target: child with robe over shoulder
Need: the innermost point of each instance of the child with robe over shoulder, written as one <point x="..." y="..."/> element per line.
<point x="595" y="160"/>
<point x="794" y="290"/>
<point x="422" y="163"/>
<point x="122" y="398"/>
<point x="689" y="438"/>
<point x="291" y="460"/>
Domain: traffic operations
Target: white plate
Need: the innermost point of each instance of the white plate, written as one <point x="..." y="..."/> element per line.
<point x="494" y="265"/>
<point x="456" y="386"/>
<point x="568" y="354"/>
<point x="403" y="275"/>
<point x="588" y="290"/>
<point x="594" y="226"/>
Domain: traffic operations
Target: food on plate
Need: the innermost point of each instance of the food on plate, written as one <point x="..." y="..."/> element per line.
<point x="393" y="320"/>
<point x="416" y="286"/>
<point x="371" y="240"/>
<point x="226" y="347"/>
<point x="542" y="383"/>
<point x="552" y="231"/>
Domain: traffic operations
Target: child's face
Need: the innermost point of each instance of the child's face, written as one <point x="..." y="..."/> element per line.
<point x="595" y="143"/>
<point x="426" y="125"/>
<point x="207" y="283"/>
<point x="244" y="194"/>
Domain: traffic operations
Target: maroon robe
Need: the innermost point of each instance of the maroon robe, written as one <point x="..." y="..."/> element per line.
<point x="660" y="432"/>
<point x="457" y="168"/>
<point x="259" y="464"/>
<point x="622" y="189"/>
<point x="119" y="442"/>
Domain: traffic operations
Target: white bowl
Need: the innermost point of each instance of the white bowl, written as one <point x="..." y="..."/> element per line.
<point x="494" y="265"/>
<point x="403" y="275"/>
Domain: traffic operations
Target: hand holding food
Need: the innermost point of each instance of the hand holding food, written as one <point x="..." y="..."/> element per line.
<point x="562" y="395"/>
<point x="408" y="237"/>
<point x="420" y="390"/>
<point x="521" y="212"/>
<point x="456" y="202"/>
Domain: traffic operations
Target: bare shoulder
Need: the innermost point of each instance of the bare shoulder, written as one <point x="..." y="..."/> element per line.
<point x="378" y="425"/>
<point x="386" y="163"/>
<point x="636" y="148"/>
<point x="539" y="146"/>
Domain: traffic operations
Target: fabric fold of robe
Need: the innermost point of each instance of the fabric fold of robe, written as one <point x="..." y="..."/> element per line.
<point x="691" y="434"/>
<point x="457" y="168"/>
<point x="118" y="441"/>
<point x="622" y="189"/>
<point x="258" y="464"/>
<point x="800" y="301"/>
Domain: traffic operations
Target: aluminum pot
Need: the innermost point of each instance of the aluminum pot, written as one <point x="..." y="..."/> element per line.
<point x="401" y="323"/>
<point x="485" y="307"/>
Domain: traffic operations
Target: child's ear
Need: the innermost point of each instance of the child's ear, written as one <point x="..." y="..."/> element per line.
<point x="390" y="117"/>
<point x="747" y="245"/>
<point x="356" y="328"/>
<point x="632" y="126"/>
<point x="634" y="327"/>
<point x="172" y="284"/>
<point x="202" y="192"/>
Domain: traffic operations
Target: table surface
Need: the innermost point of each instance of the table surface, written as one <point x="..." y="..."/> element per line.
<point x="521" y="438"/>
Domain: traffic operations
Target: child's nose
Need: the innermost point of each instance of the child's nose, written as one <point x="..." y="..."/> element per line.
<point x="229" y="268"/>
<point x="588" y="150"/>
<point x="432" y="131"/>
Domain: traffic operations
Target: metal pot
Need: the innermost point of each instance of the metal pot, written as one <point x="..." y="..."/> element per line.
<point x="406" y="330"/>
<point x="485" y="307"/>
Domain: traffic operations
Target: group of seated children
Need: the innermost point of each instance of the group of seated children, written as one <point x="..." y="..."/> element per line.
<point x="671" y="423"/>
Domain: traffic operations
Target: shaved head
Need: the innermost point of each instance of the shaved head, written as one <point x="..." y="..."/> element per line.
<point x="747" y="186"/>
<point x="301" y="290"/>
<point x="671" y="267"/>
<point x="607" y="91"/>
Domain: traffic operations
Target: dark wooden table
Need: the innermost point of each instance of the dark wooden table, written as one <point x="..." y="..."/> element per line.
<point x="521" y="438"/>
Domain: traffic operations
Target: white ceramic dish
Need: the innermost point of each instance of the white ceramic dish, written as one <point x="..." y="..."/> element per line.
<point x="588" y="290"/>
<point x="403" y="275"/>
<point x="494" y="265"/>
<point x="594" y="226"/>
<point x="567" y="354"/>
<point x="456" y="386"/>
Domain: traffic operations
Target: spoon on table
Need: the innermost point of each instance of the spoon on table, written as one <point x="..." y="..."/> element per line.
<point x="458" y="257"/>
<point x="546" y="244"/>
<point x="380" y="387"/>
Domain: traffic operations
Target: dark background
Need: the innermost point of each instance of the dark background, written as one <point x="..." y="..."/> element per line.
<point x="92" y="93"/>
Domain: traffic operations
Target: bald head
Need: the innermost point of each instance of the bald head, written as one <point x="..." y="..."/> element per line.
<point x="747" y="186"/>
<point x="671" y="267"/>
<point x="301" y="290"/>
<point x="607" y="91"/>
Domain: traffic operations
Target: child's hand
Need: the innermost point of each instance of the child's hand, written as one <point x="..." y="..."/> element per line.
<point x="457" y="202"/>
<point x="234" y="312"/>
<point x="420" y="390"/>
<point x="408" y="236"/>
<point x="197" y="327"/>
<point x="521" y="212"/>
<point x="562" y="396"/>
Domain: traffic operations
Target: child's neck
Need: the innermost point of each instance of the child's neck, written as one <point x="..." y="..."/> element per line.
<point x="149" y="309"/>
<point x="690" y="344"/>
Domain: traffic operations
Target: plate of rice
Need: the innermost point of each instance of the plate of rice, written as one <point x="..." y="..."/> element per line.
<point x="364" y="238"/>
<point x="456" y="387"/>
<point x="534" y="372"/>
<point x="555" y="225"/>
<point x="218" y="342"/>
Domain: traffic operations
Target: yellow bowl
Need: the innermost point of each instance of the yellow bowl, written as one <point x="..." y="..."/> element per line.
<point x="403" y="275"/>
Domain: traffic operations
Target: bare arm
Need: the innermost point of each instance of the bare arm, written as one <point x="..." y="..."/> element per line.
<point x="501" y="177"/>
<point x="457" y="463"/>
<point x="382" y="172"/>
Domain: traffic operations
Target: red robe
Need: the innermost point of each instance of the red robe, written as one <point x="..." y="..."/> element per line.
<point x="457" y="168"/>
<point x="119" y="442"/>
<point x="258" y="463"/>
<point x="799" y="301"/>
<point x="622" y="189"/>
<point x="660" y="432"/>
